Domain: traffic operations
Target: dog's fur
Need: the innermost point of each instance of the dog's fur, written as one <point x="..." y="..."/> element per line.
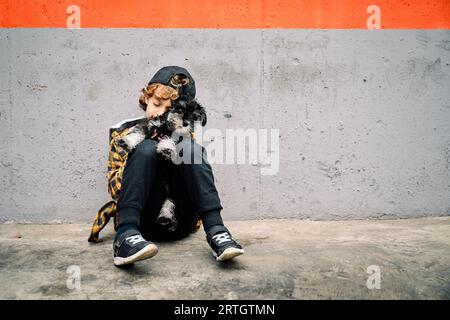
<point x="177" y="122"/>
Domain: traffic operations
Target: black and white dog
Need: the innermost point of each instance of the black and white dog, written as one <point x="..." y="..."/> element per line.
<point x="172" y="127"/>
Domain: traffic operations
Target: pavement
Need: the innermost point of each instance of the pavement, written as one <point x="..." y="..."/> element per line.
<point x="284" y="259"/>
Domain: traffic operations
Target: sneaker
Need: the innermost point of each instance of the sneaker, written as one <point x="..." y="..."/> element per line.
<point x="222" y="244"/>
<point x="130" y="247"/>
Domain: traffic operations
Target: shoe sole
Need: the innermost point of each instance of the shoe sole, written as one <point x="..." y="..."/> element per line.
<point x="145" y="253"/>
<point x="229" y="253"/>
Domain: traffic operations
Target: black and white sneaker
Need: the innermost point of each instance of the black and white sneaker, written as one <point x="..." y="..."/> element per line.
<point x="222" y="244"/>
<point x="130" y="247"/>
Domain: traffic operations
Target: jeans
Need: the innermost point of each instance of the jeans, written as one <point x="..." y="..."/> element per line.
<point x="191" y="186"/>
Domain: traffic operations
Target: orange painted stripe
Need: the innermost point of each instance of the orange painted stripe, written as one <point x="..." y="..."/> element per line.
<point x="243" y="14"/>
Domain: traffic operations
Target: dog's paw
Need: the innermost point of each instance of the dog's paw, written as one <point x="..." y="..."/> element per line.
<point x="130" y="141"/>
<point x="166" y="147"/>
<point x="166" y="215"/>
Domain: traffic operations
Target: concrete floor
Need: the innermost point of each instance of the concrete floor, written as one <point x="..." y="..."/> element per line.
<point x="285" y="259"/>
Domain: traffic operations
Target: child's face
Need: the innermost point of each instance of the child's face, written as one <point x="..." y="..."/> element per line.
<point x="157" y="106"/>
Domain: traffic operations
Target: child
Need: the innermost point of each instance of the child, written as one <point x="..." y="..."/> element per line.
<point x="135" y="183"/>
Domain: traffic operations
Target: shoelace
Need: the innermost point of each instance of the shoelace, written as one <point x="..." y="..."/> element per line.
<point x="222" y="237"/>
<point x="135" y="239"/>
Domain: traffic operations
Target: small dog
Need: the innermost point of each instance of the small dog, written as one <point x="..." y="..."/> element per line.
<point x="178" y="122"/>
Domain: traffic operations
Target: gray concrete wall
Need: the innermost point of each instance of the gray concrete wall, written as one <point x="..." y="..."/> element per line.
<point x="364" y="117"/>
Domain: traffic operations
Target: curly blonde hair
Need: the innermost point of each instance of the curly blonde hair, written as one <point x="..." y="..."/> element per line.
<point x="162" y="91"/>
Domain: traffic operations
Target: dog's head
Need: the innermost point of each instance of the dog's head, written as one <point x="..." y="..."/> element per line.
<point x="182" y="114"/>
<point x="192" y="111"/>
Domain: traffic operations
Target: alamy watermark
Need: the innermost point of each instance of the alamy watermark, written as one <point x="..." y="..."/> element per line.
<point x="374" y="280"/>
<point x="257" y="147"/>
<point x="373" y="22"/>
<point x="73" y="281"/>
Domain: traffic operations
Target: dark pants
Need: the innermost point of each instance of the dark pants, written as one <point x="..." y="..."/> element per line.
<point x="192" y="189"/>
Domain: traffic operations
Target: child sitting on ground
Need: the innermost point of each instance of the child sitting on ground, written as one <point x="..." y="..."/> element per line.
<point x="135" y="182"/>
